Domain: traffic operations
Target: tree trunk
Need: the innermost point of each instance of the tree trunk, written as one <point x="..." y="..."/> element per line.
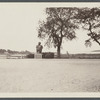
<point x="58" y="52"/>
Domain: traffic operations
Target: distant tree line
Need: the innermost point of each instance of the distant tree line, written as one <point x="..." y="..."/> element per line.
<point x="3" y="51"/>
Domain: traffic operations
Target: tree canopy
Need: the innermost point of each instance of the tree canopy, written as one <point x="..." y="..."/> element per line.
<point x="90" y="20"/>
<point x="60" y="24"/>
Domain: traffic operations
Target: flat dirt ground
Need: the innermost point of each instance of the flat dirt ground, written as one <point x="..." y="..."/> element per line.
<point x="49" y="75"/>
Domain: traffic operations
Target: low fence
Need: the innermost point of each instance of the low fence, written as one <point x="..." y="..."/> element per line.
<point x="12" y="56"/>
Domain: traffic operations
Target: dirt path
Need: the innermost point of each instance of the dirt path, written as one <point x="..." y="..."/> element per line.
<point x="33" y="75"/>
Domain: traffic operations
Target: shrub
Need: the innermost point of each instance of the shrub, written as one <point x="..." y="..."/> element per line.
<point x="30" y="56"/>
<point x="48" y="55"/>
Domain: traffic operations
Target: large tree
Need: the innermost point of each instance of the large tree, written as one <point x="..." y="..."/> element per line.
<point x="90" y="21"/>
<point x="60" y="24"/>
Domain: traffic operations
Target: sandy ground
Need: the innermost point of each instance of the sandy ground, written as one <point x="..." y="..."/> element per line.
<point x="49" y="75"/>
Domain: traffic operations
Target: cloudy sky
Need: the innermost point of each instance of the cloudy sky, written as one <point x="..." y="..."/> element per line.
<point x="19" y="23"/>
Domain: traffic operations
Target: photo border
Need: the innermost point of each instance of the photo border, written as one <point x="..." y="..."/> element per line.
<point x="49" y="96"/>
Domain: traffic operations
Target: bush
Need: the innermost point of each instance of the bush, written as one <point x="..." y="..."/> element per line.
<point x="47" y="55"/>
<point x="30" y="56"/>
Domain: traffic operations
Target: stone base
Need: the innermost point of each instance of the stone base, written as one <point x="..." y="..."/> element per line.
<point x="38" y="56"/>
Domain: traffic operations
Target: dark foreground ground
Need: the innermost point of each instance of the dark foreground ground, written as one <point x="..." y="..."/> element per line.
<point x="49" y="75"/>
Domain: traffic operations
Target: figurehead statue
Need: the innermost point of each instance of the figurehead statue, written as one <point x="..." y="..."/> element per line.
<point x="39" y="48"/>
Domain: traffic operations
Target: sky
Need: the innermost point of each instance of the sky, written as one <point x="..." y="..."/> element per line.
<point x="19" y="23"/>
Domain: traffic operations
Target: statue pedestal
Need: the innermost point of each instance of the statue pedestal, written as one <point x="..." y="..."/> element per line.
<point x="38" y="56"/>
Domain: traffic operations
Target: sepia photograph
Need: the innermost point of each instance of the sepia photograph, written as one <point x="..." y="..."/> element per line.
<point x="49" y="48"/>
